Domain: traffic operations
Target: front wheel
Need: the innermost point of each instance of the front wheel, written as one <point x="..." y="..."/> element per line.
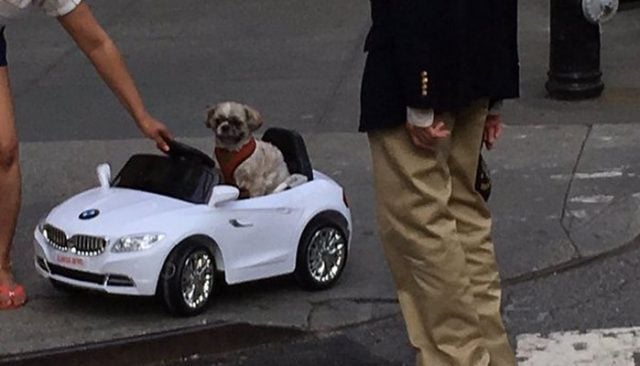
<point x="187" y="279"/>
<point x="322" y="254"/>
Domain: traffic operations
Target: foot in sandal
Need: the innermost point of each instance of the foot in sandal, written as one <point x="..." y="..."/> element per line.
<point x="12" y="295"/>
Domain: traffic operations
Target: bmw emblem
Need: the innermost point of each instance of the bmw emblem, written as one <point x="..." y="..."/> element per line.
<point x="89" y="214"/>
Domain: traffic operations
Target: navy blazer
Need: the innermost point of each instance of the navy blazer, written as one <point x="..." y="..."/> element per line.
<point x="439" y="54"/>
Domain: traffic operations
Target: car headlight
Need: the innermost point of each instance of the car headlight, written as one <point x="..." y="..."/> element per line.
<point x="134" y="243"/>
<point x="41" y="224"/>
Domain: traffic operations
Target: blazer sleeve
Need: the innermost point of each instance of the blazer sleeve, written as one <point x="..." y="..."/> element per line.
<point x="416" y="25"/>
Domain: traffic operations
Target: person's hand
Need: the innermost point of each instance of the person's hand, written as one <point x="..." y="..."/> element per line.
<point x="156" y="131"/>
<point x="426" y="137"/>
<point x="492" y="130"/>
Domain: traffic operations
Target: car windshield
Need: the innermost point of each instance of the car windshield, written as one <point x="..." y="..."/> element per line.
<point x="177" y="178"/>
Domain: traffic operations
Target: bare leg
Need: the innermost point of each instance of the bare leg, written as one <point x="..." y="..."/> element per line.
<point x="9" y="178"/>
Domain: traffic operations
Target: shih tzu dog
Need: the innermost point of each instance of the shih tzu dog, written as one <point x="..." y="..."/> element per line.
<point x="256" y="167"/>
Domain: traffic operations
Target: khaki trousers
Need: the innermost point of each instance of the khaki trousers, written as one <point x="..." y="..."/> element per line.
<point x="435" y="230"/>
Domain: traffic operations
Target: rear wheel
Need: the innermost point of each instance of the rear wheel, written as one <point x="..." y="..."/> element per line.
<point x="322" y="253"/>
<point x="188" y="279"/>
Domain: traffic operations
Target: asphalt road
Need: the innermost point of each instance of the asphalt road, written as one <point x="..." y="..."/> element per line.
<point x="298" y="62"/>
<point x="286" y="58"/>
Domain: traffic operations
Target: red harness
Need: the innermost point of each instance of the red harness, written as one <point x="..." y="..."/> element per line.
<point x="229" y="160"/>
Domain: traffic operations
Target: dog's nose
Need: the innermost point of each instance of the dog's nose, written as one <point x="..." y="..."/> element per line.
<point x="224" y="128"/>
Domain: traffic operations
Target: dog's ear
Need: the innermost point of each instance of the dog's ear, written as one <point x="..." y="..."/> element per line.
<point x="209" y="115"/>
<point x="254" y="119"/>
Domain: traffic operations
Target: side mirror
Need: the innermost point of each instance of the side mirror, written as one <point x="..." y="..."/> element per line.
<point x="104" y="175"/>
<point x="223" y="194"/>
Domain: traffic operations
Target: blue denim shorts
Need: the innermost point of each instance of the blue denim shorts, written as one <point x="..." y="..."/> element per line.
<point x="3" y="48"/>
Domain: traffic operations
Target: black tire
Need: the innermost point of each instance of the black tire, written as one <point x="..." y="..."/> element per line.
<point x="326" y="224"/>
<point x="176" y="274"/>
<point x="66" y="288"/>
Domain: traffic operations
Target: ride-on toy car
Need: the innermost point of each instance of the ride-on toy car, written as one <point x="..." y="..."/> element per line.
<point x="166" y="226"/>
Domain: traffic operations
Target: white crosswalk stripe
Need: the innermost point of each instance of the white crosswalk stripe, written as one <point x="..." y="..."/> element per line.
<point x="601" y="347"/>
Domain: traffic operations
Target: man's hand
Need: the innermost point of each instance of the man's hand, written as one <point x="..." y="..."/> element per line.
<point x="492" y="130"/>
<point x="156" y="131"/>
<point x="426" y="137"/>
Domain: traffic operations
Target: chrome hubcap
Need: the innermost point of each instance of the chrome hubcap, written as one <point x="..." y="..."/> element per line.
<point x="197" y="279"/>
<point x="326" y="254"/>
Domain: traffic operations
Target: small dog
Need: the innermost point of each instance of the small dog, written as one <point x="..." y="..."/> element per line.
<point x="256" y="167"/>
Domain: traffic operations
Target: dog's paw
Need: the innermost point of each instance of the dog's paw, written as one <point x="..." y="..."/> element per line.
<point x="292" y="181"/>
<point x="296" y="179"/>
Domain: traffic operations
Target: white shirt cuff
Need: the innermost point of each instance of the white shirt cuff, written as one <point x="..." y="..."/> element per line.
<point x="58" y="8"/>
<point x="420" y="117"/>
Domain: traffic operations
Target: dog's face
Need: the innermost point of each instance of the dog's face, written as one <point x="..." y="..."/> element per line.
<point x="232" y="123"/>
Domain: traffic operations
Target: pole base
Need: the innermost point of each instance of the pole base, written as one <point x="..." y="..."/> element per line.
<point x="575" y="86"/>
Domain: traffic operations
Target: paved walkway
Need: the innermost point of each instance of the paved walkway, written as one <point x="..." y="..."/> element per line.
<point x="551" y="210"/>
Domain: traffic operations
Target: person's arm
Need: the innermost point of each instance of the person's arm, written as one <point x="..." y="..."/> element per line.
<point x="417" y="25"/>
<point x="495" y="106"/>
<point x="420" y="117"/>
<point x="96" y="44"/>
<point x="425" y="127"/>
<point x="493" y="125"/>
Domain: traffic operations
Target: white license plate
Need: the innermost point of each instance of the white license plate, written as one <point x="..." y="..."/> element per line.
<point x="69" y="260"/>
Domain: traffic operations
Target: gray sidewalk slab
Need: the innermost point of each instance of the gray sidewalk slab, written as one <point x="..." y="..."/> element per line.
<point x="57" y="170"/>
<point x="534" y="179"/>
<point x="604" y="200"/>
<point x="527" y="202"/>
<point x="619" y="63"/>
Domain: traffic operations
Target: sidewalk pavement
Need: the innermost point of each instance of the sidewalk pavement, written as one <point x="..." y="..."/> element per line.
<point x="561" y="193"/>
<point x="565" y="189"/>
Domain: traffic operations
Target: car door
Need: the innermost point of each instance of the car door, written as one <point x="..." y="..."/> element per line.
<point x="259" y="236"/>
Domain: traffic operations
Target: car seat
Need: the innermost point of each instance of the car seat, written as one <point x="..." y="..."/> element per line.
<point x="293" y="149"/>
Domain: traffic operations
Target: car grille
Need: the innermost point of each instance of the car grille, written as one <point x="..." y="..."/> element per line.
<point x="86" y="245"/>
<point x="98" y="279"/>
<point x="83" y="245"/>
<point x="56" y="237"/>
<point x="95" y="278"/>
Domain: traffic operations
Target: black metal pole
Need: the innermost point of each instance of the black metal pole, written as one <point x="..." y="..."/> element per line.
<point x="574" y="58"/>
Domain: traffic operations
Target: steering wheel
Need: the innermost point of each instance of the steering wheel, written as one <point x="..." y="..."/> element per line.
<point x="180" y="150"/>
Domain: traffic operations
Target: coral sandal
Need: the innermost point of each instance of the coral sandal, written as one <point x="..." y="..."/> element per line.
<point x="12" y="297"/>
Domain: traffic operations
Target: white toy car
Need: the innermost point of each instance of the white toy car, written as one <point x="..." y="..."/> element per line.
<point x="165" y="226"/>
